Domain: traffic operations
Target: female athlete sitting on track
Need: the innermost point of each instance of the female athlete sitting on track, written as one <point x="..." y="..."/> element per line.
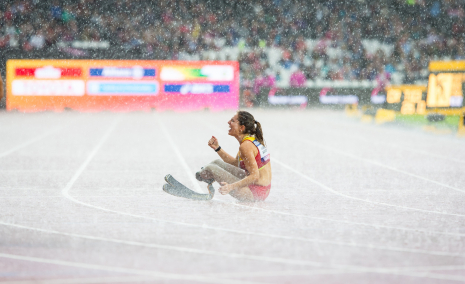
<point x="246" y="177"/>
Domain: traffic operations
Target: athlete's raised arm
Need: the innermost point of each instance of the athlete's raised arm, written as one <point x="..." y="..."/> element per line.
<point x="213" y="143"/>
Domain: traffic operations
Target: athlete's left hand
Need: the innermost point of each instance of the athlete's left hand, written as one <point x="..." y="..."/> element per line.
<point x="225" y="188"/>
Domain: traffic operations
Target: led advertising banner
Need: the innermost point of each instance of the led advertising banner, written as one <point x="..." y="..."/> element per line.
<point x="446" y="84"/>
<point x="445" y="90"/>
<point x="121" y="85"/>
<point x="408" y="99"/>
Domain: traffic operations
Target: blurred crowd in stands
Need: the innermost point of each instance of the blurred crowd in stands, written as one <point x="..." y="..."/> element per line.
<point x="417" y="30"/>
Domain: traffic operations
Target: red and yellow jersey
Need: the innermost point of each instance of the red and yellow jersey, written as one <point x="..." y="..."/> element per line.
<point x="262" y="158"/>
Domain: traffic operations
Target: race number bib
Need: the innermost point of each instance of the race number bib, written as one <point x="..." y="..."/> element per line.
<point x="264" y="154"/>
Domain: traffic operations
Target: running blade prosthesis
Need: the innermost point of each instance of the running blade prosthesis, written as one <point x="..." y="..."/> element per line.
<point x="176" y="188"/>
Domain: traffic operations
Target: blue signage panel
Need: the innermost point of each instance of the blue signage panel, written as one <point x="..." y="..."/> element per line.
<point x="199" y="88"/>
<point x="135" y="72"/>
<point x="106" y="88"/>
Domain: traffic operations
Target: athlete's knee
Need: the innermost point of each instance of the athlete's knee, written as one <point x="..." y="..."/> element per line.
<point x="210" y="171"/>
<point x="209" y="168"/>
<point x="206" y="168"/>
<point x="217" y="162"/>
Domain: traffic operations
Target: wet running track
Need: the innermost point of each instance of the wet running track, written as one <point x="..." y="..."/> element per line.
<point x="81" y="202"/>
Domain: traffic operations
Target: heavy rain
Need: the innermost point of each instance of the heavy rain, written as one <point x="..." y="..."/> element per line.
<point x="268" y="141"/>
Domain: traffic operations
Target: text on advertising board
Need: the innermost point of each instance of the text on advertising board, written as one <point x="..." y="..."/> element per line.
<point x="121" y="85"/>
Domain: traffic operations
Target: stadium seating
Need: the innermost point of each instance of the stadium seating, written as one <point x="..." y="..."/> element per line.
<point x="351" y="43"/>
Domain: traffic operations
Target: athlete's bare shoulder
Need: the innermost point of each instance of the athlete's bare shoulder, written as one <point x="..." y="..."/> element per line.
<point x="247" y="146"/>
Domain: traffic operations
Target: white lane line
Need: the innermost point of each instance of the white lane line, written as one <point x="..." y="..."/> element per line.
<point x="177" y="248"/>
<point x="342" y="119"/>
<point x="332" y="149"/>
<point x="26" y="188"/>
<point x="64" y="171"/>
<point x="426" y="232"/>
<point x="61" y="196"/>
<point x="360" y="199"/>
<point x="180" y="157"/>
<point x="346" y="268"/>
<point x="387" y="269"/>
<point x="379" y="164"/>
<point x="282" y="273"/>
<point x="431" y="267"/>
<point x="187" y="277"/>
<point x="457" y="278"/>
<point x="429" y="275"/>
<point x="95" y="280"/>
<point x="33" y="140"/>
<point x="410" y="149"/>
<point x="395" y="271"/>
<point x="424" y="271"/>
<point x="336" y="220"/>
<point x="81" y="169"/>
<point x="380" y="270"/>
<point x="273" y="236"/>
<point x="33" y="171"/>
<point x="23" y="124"/>
<point x="193" y="277"/>
<point x="30" y="196"/>
<point x="375" y="142"/>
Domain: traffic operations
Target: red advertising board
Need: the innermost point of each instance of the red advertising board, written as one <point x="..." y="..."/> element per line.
<point x="121" y="85"/>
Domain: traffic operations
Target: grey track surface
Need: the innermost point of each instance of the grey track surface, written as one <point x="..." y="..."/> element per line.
<point x="81" y="202"/>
